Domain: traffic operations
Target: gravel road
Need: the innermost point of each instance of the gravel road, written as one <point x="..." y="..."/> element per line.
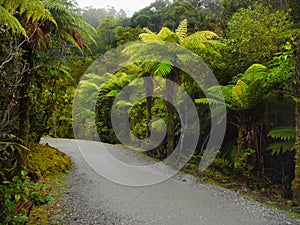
<point x="92" y="199"/>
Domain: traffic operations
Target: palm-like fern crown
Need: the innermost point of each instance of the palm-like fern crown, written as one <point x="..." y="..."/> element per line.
<point x="248" y="92"/>
<point x="45" y="16"/>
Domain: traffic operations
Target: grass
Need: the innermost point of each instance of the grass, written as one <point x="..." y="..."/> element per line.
<point x="50" y="166"/>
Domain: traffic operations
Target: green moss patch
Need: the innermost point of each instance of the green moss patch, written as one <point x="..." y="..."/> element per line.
<point x="50" y="166"/>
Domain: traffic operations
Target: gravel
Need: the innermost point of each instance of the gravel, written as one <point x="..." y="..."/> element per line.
<point x="91" y="199"/>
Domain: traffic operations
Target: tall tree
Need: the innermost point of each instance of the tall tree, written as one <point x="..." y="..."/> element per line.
<point x="46" y="23"/>
<point x="296" y="182"/>
<point x="255" y="34"/>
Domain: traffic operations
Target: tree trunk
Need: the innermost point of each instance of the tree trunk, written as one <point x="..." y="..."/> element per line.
<point x="170" y="119"/>
<point x="149" y="93"/>
<point x="171" y="96"/>
<point x="296" y="182"/>
<point x="249" y="137"/>
<point x="24" y="116"/>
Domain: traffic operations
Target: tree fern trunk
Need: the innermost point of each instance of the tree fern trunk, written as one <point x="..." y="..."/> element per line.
<point x="296" y="182"/>
<point x="148" y="85"/>
<point x="170" y="119"/>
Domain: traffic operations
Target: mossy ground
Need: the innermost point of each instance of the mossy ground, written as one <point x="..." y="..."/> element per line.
<point x="51" y="166"/>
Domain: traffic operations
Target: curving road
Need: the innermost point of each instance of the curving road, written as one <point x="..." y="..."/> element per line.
<point x="91" y="199"/>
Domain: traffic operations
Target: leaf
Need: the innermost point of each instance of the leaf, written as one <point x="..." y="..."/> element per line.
<point x="240" y="95"/>
<point x="10" y="205"/>
<point x="283" y="133"/>
<point x="181" y="31"/>
<point x="278" y="148"/>
<point x="113" y="93"/>
<point x="163" y="69"/>
<point x="254" y="72"/>
<point x="123" y="103"/>
<point x="17" y="197"/>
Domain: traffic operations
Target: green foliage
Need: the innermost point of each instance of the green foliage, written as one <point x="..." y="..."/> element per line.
<point x="283" y="133"/>
<point x="255" y="35"/>
<point x="12" y="156"/>
<point x="18" y="196"/>
<point x="242" y="164"/>
<point x="285" y="140"/>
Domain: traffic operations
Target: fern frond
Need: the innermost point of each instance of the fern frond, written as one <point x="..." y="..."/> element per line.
<point x="281" y="147"/>
<point x="254" y="72"/>
<point x="240" y="95"/>
<point x="148" y="31"/>
<point x="68" y="37"/>
<point x="204" y="35"/>
<point x="165" y="34"/>
<point x="163" y="68"/>
<point x="181" y="31"/>
<point x="283" y="133"/>
<point x="113" y="93"/>
<point x="11" y="22"/>
<point x="148" y="37"/>
<point x="36" y="11"/>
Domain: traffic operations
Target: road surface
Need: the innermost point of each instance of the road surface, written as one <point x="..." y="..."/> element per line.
<point x="92" y="199"/>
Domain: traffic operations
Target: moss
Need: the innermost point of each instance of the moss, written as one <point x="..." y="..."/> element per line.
<point x="50" y="166"/>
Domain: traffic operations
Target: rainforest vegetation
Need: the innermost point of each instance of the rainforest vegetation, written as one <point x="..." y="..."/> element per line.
<point x="251" y="46"/>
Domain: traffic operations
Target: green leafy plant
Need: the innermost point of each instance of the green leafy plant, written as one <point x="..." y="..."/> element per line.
<point x="18" y="196"/>
<point x="285" y="140"/>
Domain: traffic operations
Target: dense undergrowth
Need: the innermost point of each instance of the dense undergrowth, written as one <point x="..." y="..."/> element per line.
<point x="27" y="188"/>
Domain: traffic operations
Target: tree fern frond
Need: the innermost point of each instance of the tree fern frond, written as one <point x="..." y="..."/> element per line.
<point x="148" y="31"/>
<point x="204" y="35"/>
<point x="254" y="72"/>
<point x="36" y="11"/>
<point x="181" y="31"/>
<point x="283" y="133"/>
<point x="88" y="86"/>
<point x="165" y="34"/>
<point x="193" y="43"/>
<point x="163" y="68"/>
<point x="66" y="36"/>
<point x="240" y="95"/>
<point x="113" y="93"/>
<point x="281" y="147"/>
<point x="11" y="22"/>
<point x="95" y="78"/>
<point x="149" y="37"/>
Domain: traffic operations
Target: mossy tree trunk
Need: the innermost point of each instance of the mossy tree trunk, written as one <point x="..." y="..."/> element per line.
<point x="296" y="182"/>
<point x="24" y="117"/>
<point x="249" y="137"/>
<point x="170" y="118"/>
<point x="148" y="85"/>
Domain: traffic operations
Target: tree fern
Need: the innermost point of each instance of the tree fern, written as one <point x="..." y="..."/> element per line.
<point x="11" y="22"/>
<point x="283" y="133"/>
<point x="240" y="95"/>
<point x="181" y="31"/>
<point x="285" y="140"/>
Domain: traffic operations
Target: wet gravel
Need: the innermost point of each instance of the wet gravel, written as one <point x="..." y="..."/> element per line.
<point x="91" y="199"/>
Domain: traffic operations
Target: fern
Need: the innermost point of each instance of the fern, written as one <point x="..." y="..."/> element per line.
<point x="254" y="72"/>
<point x="163" y="68"/>
<point x="240" y="95"/>
<point x="281" y="147"/>
<point x="286" y="135"/>
<point x="11" y="22"/>
<point x="283" y="133"/>
<point x="181" y="31"/>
